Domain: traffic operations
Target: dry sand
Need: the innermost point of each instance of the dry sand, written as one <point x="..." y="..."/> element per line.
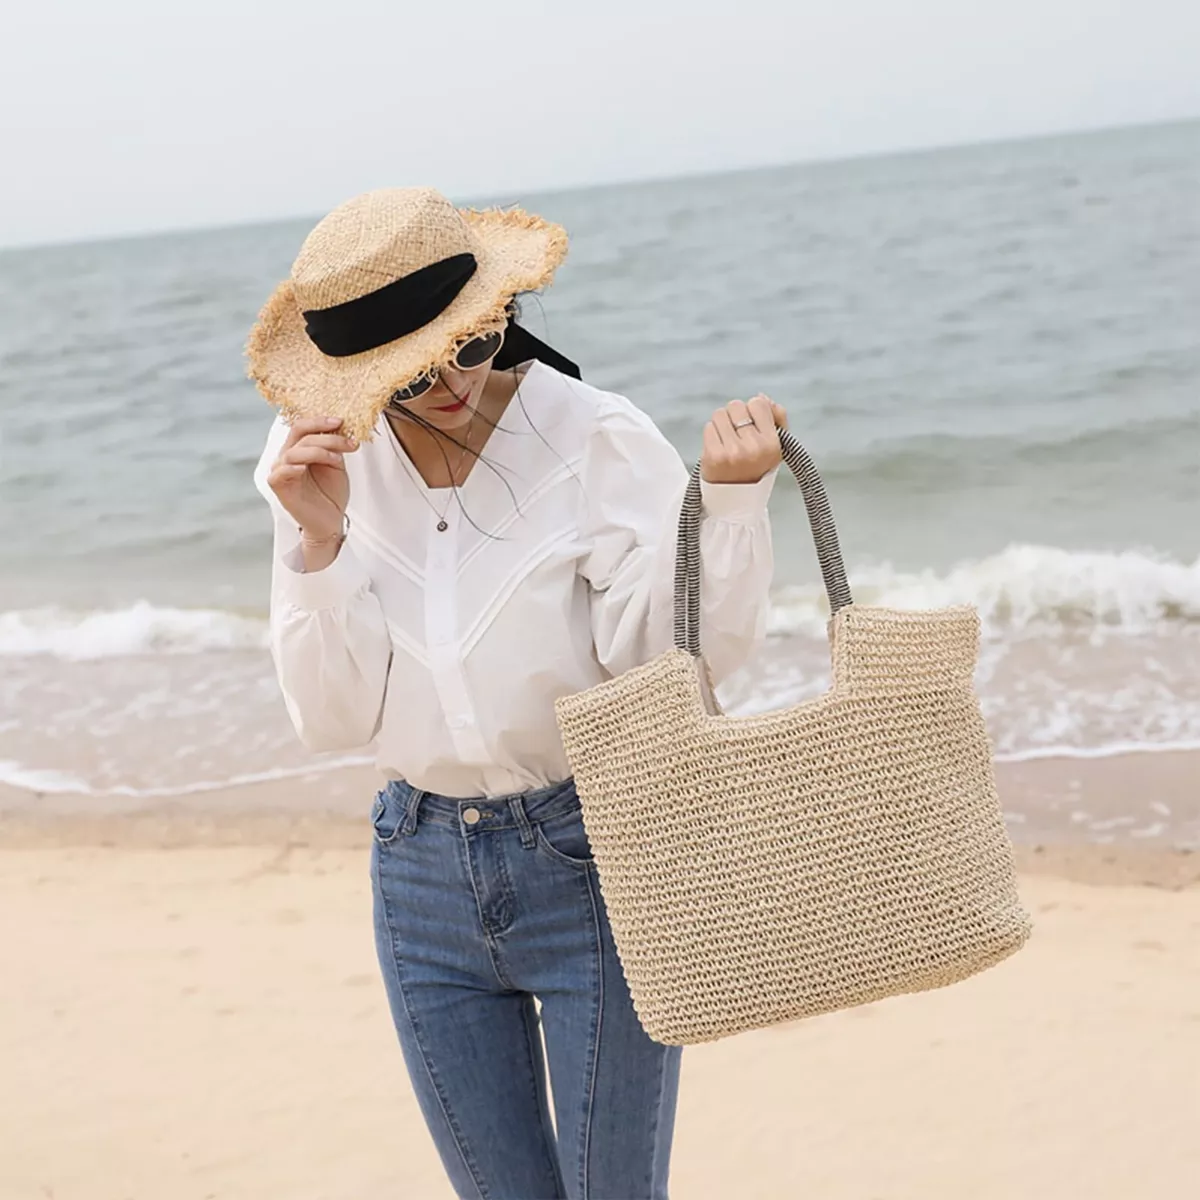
<point x="190" y="1007"/>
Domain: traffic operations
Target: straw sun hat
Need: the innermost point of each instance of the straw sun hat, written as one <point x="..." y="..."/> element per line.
<point x="385" y="288"/>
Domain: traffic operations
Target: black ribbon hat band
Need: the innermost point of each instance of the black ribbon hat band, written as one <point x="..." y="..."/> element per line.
<point x="391" y="312"/>
<point x="410" y="303"/>
<point x="520" y="346"/>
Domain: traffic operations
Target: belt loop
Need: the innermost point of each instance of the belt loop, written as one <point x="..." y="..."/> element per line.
<point x="411" y="811"/>
<point x="517" y="803"/>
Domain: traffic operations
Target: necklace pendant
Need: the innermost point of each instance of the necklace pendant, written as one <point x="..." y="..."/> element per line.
<point x="442" y="526"/>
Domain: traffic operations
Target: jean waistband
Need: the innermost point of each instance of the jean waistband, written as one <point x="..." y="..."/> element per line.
<point x="495" y="812"/>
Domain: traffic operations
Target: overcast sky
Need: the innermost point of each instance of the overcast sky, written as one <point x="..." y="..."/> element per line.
<point x="132" y="115"/>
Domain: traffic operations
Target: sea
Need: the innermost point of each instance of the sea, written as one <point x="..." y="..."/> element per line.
<point x="992" y="354"/>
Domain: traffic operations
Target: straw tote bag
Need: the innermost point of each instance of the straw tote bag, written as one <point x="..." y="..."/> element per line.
<point x="767" y="868"/>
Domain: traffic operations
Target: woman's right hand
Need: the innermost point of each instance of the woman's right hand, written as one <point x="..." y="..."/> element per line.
<point x="309" y="477"/>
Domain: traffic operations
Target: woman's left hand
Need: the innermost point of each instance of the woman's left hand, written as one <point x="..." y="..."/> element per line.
<point x="740" y="442"/>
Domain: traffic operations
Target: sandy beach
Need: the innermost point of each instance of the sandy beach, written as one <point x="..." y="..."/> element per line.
<point x="191" y="1009"/>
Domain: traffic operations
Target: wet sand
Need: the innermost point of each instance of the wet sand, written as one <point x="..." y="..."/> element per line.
<point x="1097" y="819"/>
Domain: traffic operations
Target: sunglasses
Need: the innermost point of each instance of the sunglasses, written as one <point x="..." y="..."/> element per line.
<point x="467" y="357"/>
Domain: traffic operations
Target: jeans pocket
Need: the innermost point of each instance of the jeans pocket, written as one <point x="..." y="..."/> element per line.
<point x="563" y="839"/>
<point x="387" y="816"/>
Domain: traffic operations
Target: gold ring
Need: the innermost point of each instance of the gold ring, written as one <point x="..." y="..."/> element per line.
<point x="742" y="424"/>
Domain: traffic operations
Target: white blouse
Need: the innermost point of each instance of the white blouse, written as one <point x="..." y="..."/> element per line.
<point x="450" y="648"/>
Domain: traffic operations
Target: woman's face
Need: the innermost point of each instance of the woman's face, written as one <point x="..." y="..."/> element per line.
<point x="451" y="402"/>
<point x="456" y="393"/>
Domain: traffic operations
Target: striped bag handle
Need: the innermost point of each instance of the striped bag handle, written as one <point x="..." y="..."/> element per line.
<point x="820" y="520"/>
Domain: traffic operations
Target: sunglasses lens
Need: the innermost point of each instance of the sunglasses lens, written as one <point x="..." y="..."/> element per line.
<point x="418" y="387"/>
<point x="478" y="350"/>
<point x="474" y="354"/>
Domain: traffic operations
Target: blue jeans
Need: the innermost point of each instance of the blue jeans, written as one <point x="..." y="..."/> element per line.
<point x="481" y="906"/>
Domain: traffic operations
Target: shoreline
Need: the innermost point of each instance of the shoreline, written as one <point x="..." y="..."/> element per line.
<point x="327" y="810"/>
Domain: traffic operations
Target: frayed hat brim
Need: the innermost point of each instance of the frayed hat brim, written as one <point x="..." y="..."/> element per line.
<point x="516" y="252"/>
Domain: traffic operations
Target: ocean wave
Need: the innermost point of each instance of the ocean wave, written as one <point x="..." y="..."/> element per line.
<point x="1106" y="750"/>
<point x="47" y="782"/>
<point x="1022" y="587"/>
<point x="59" y="783"/>
<point x="958" y="460"/>
<point x="142" y="628"/>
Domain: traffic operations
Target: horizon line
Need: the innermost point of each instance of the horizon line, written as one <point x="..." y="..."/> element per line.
<point x="913" y="151"/>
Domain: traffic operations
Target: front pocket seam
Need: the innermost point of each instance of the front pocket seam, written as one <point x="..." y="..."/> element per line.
<point x="542" y="843"/>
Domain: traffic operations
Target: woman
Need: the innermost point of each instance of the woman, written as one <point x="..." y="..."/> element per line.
<point x="465" y="532"/>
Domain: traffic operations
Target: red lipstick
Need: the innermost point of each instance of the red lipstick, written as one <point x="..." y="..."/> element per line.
<point x="460" y="402"/>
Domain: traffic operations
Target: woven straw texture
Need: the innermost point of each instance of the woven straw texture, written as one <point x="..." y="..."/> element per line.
<point x="768" y="868"/>
<point x="367" y="243"/>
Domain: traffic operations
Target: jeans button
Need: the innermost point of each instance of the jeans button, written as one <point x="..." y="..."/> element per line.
<point x="471" y="816"/>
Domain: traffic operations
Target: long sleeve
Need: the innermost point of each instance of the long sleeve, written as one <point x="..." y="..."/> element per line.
<point x="329" y="638"/>
<point x="633" y="483"/>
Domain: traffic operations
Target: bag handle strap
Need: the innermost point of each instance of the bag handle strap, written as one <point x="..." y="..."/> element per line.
<point x="820" y="520"/>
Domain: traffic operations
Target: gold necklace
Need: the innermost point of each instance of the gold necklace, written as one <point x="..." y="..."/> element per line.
<point x="442" y="523"/>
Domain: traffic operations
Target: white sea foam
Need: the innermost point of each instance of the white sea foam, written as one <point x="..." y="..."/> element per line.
<point x="1022" y="587"/>
<point x="1018" y="588"/>
<point x="1107" y="750"/>
<point x="142" y="628"/>
<point x="50" y="782"/>
<point x="59" y="783"/>
<point x="37" y="779"/>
